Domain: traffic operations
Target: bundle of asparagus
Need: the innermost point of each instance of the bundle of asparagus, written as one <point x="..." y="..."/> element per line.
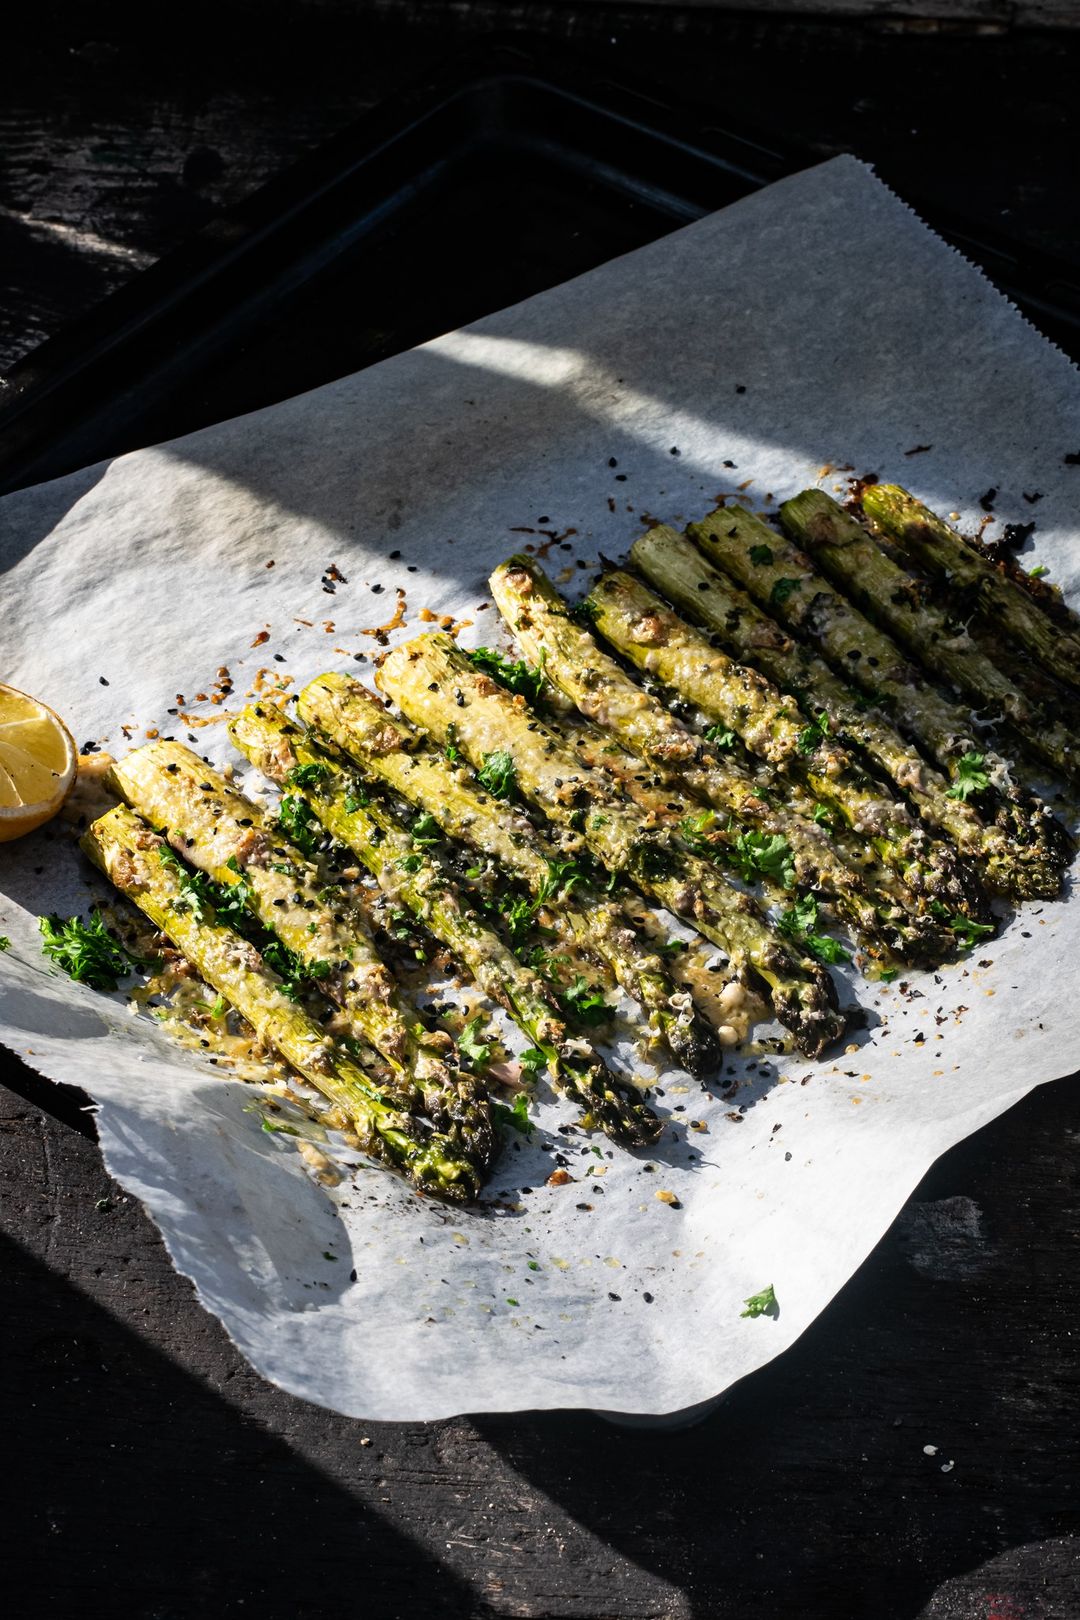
<point x="408" y="873"/>
<point x="604" y="693"/>
<point x="128" y="851"/>
<point x="226" y="835"/>
<point x="345" y="712"/>
<point x="793" y="741"/>
<point x="1024" y="869"/>
<point x="782" y="580"/>
<point x="436" y="685"/>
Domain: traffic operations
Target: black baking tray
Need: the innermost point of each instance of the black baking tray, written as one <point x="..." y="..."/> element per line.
<point x="509" y="174"/>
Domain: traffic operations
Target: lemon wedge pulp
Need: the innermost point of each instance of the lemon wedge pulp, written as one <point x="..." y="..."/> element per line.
<point x="37" y="763"/>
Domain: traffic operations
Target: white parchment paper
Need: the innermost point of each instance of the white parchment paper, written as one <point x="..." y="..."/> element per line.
<point x="816" y="322"/>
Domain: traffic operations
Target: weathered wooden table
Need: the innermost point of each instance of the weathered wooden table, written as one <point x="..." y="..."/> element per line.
<point x="916" y="1454"/>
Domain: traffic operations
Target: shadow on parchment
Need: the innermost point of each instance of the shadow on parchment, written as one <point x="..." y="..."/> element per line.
<point x="35" y="519"/>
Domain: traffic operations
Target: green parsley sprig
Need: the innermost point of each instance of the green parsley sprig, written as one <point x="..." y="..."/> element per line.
<point x="969" y="776"/>
<point x="88" y="952"/>
<point x="763" y="1304"/>
<point x="526" y="680"/>
<point x="800" y="923"/>
<point x="585" y="1002"/>
<point x="759" y="854"/>
<point x="304" y="776"/>
<point x="498" y="773"/>
<point x="299" y="823"/>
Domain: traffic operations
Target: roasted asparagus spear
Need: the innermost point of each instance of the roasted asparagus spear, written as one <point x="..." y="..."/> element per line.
<point x="840" y="545"/>
<point x="999" y="601"/>
<point x="646" y="631"/>
<point x="412" y="878"/>
<point x="603" y="692"/>
<point x="678" y="569"/>
<point x="392" y="752"/>
<point x="768" y="566"/>
<point x="128" y="851"/>
<point x="227" y="836"/>
<point x="433" y="681"/>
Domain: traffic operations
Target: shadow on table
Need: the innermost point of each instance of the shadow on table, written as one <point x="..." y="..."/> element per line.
<point x="813" y="1489"/>
<point x="168" y="1502"/>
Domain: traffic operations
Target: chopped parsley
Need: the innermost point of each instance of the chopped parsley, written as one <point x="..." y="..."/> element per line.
<point x="887" y="975"/>
<point x="357" y="800"/>
<point x="498" y="773"/>
<point x="292" y="969"/>
<point x="303" y="776"/>
<point x="476" y="1050"/>
<point x="88" y="952"/>
<point x="425" y="830"/>
<point x="1038" y="571"/>
<point x="759" y="854"/>
<point x="813" y="735"/>
<point x="541" y="960"/>
<point x="231" y="902"/>
<point x="277" y="1128"/>
<point x="560" y="879"/>
<point x="760" y="556"/>
<point x="299" y="823"/>
<point x="517" y="1116"/>
<point x="586" y="611"/>
<point x="694" y="831"/>
<point x="799" y="922"/>
<point x="720" y="736"/>
<point x="411" y="863"/>
<point x="517" y="911"/>
<point x="196" y="889"/>
<point x="969" y="777"/>
<point x="527" y="680"/>
<point x="585" y="1002"/>
<point x="969" y="932"/>
<point x="782" y="589"/>
<point x="451" y="750"/>
<point x="5" y="943"/>
<point x="763" y="1304"/>
<point x="532" y="1060"/>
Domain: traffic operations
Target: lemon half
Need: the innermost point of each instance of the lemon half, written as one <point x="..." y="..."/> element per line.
<point x="37" y="763"/>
